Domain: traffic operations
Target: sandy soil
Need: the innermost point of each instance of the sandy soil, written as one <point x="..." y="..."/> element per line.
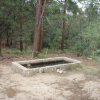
<point x="72" y="85"/>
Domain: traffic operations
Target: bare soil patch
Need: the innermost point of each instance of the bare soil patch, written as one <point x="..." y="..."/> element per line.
<point x="71" y="85"/>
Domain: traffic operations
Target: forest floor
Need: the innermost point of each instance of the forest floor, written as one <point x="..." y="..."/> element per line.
<point x="81" y="83"/>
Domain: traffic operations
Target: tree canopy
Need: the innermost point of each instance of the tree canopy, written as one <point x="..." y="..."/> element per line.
<point x="64" y="25"/>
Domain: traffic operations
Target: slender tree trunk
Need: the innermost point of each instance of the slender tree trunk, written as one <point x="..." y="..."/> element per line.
<point x="37" y="28"/>
<point x="41" y="27"/>
<point x="64" y="26"/>
<point x="7" y="42"/>
<point x="21" y="44"/>
<point x="63" y="35"/>
<point x="0" y="47"/>
<point x="38" y="38"/>
<point x="41" y="40"/>
<point x="21" y="39"/>
<point x="11" y="42"/>
<point x="11" y="39"/>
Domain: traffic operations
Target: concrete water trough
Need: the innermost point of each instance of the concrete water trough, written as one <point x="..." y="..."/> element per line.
<point x="30" y="67"/>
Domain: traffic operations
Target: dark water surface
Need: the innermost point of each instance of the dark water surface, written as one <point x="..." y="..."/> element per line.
<point x="42" y="64"/>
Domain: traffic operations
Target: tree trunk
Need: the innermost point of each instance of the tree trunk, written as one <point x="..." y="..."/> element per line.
<point x="41" y="27"/>
<point x="11" y="42"/>
<point x="0" y="47"/>
<point x="38" y="38"/>
<point x="64" y="26"/>
<point x="7" y="42"/>
<point x="21" y="35"/>
<point x="63" y="35"/>
<point x="21" y="44"/>
<point x="41" y="40"/>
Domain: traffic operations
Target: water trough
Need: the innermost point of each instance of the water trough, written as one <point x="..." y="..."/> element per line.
<point x="31" y="67"/>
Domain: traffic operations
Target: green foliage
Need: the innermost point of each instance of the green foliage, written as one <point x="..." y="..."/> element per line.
<point x="17" y="21"/>
<point x="84" y="31"/>
<point x="87" y="42"/>
<point x="92" y="35"/>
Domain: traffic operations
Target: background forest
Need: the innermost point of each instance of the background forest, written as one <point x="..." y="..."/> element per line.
<point x="76" y="21"/>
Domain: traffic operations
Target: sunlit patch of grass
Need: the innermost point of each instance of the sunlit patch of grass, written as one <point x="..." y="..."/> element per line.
<point x="77" y="67"/>
<point x="16" y="52"/>
<point x="91" y="70"/>
<point x="46" y="52"/>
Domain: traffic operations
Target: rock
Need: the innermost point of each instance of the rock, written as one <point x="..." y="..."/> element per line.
<point x="67" y="94"/>
<point x="89" y="58"/>
<point x="59" y="71"/>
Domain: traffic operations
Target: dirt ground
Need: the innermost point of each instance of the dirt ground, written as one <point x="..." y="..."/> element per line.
<point x="71" y="85"/>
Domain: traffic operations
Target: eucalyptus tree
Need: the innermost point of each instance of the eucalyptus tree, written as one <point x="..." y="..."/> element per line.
<point x="38" y="37"/>
<point x="64" y="24"/>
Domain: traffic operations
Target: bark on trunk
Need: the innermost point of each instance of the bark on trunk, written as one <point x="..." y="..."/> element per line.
<point x="7" y="42"/>
<point x="21" y="36"/>
<point x="11" y="42"/>
<point x="21" y="44"/>
<point x="0" y="47"/>
<point x="64" y="26"/>
<point x="38" y="38"/>
<point x="63" y="35"/>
